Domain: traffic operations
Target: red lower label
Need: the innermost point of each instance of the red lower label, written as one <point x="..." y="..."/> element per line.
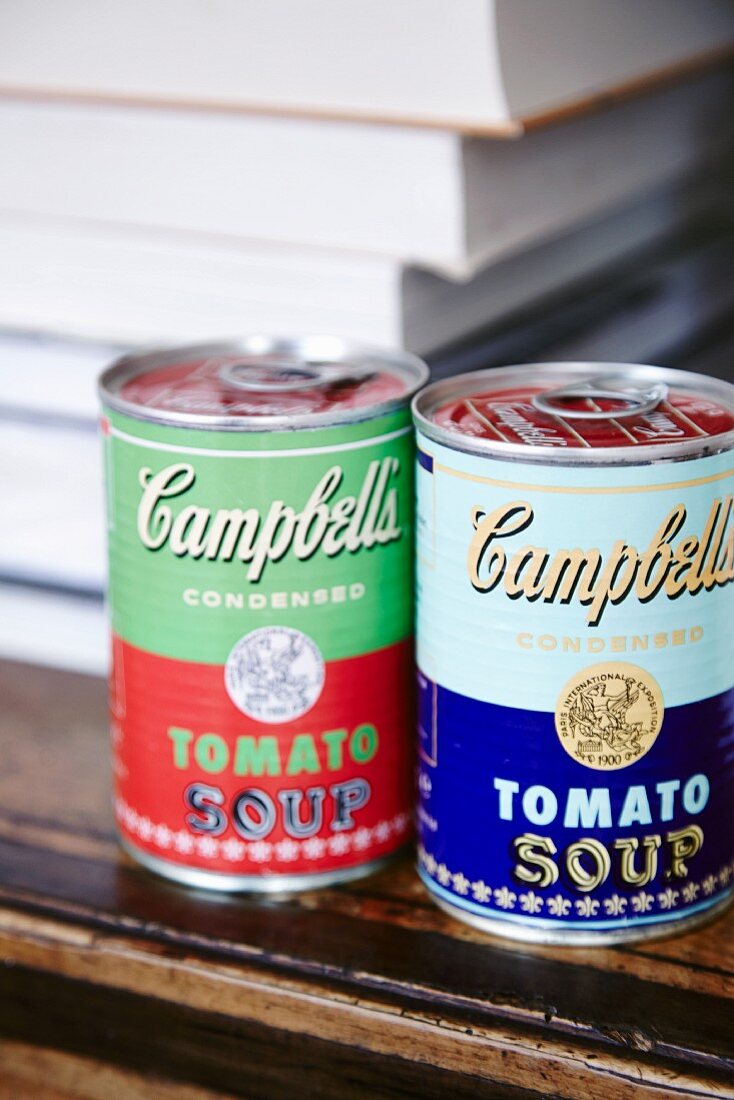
<point x="201" y="785"/>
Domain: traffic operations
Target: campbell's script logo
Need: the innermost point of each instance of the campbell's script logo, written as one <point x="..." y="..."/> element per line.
<point x="326" y="522"/>
<point x="674" y="562"/>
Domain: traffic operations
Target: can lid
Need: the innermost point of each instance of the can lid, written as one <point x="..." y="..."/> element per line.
<point x="262" y="383"/>
<point x="580" y="413"/>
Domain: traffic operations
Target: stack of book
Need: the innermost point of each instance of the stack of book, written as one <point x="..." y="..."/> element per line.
<point x="404" y="172"/>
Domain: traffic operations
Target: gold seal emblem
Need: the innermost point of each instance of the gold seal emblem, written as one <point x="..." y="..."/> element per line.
<point x="609" y="715"/>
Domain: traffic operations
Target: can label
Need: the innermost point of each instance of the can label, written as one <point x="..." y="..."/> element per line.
<point x="262" y="620"/>
<point x="576" y="688"/>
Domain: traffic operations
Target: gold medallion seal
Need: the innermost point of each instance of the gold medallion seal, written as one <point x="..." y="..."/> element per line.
<point x="609" y="715"/>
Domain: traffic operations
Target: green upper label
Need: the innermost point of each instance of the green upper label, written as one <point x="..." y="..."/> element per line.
<point x="213" y="534"/>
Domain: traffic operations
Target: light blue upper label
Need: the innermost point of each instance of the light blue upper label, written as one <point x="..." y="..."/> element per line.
<point x="528" y="573"/>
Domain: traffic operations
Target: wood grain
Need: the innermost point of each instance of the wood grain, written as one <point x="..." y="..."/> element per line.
<point x="369" y="988"/>
<point x="29" y="1073"/>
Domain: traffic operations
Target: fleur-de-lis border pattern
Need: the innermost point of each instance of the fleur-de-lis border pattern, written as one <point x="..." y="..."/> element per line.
<point x="532" y="904"/>
<point x="233" y="850"/>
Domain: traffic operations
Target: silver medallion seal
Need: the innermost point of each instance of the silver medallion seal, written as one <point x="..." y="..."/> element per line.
<point x="274" y="674"/>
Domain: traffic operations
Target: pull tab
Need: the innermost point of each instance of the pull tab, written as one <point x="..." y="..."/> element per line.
<point x="638" y="399"/>
<point x="279" y="375"/>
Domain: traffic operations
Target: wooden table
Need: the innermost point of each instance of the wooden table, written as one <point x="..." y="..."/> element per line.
<point x="116" y="984"/>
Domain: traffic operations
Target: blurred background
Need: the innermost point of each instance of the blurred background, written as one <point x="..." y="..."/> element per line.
<point x="479" y="181"/>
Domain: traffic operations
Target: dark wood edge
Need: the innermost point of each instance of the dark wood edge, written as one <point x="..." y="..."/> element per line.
<point x="175" y="1043"/>
<point x="414" y="972"/>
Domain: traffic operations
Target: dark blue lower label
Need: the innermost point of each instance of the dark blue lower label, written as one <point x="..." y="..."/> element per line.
<point x="513" y="828"/>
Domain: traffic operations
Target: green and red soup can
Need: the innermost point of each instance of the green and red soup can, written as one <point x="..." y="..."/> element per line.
<point x="260" y="514"/>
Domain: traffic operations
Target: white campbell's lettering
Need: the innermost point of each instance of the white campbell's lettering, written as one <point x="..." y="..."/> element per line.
<point x="592" y="807"/>
<point x="323" y="524"/>
<point x="674" y="561"/>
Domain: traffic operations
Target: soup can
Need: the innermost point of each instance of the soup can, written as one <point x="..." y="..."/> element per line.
<point x="260" y="514"/>
<point x="575" y="545"/>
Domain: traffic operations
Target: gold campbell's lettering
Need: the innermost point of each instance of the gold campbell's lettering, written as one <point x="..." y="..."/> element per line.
<point x="692" y="563"/>
<point x="349" y="523"/>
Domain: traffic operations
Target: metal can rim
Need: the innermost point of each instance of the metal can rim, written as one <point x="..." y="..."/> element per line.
<point x="402" y="364"/>
<point x="436" y="393"/>
<point x="574" y="937"/>
<point x="199" y="878"/>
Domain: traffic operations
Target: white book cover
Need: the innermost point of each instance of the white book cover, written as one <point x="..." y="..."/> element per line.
<point x="476" y="65"/>
<point x="418" y="196"/>
<point x="51" y="375"/>
<point x="53" y="628"/>
<point x="138" y="286"/>
<point x="52" y="527"/>
<point x="108" y="283"/>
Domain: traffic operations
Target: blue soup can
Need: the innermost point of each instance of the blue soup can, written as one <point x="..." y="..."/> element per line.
<point x="575" y="641"/>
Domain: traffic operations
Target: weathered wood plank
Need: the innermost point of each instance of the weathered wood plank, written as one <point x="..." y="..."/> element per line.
<point x="30" y="1072"/>
<point x="220" y="1053"/>
<point x="238" y="1002"/>
<point x="70" y="810"/>
<point x="422" y="970"/>
<point x="374" y="971"/>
